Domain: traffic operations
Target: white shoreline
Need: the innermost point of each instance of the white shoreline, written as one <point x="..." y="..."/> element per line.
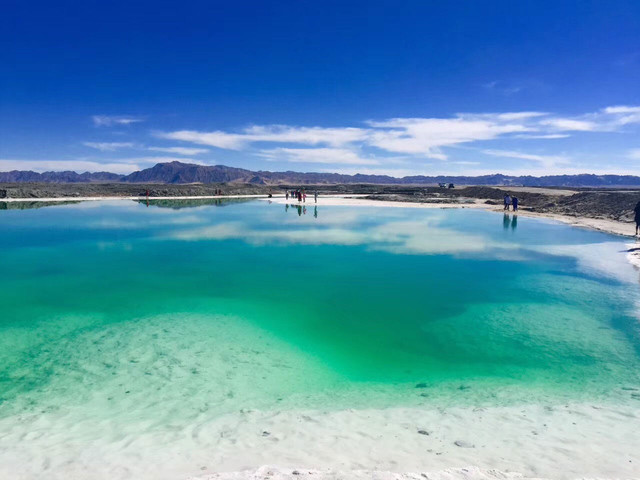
<point x="555" y="441"/>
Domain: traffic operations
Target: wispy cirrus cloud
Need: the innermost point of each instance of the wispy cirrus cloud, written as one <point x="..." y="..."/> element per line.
<point x="426" y="136"/>
<point x="417" y="136"/>
<point x="114" y="120"/>
<point x="318" y="155"/>
<point x="544" y="136"/>
<point x="109" y="146"/>
<point x="186" y="151"/>
<point x="544" y="160"/>
<point x="334" y="137"/>
<point x="423" y="144"/>
<point x="502" y="87"/>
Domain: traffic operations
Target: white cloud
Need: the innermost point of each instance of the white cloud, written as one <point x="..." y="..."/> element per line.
<point x="318" y="155"/>
<point x="516" y="115"/>
<point x="229" y="141"/>
<point x="568" y="124"/>
<point x="108" y="146"/>
<point x="543" y="136"/>
<point x="334" y="137"/>
<point x="413" y="137"/>
<point x="186" y="151"/>
<point x="634" y="154"/>
<point x="546" y="160"/>
<point x="621" y="109"/>
<point x="111" y="120"/>
<point x="425" y="136"/>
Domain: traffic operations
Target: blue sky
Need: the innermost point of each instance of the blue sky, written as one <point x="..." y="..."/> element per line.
<point x="401" y="88"/>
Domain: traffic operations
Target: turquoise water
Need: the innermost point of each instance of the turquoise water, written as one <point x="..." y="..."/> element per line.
<point x="177" y="309"/>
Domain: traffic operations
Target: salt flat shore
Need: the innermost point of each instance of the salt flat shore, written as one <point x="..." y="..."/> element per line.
<point x="530" y="441"/>
<point x="560" y="442"/>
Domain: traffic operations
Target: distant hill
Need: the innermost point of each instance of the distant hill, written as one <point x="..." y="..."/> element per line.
<point x="180" y="173"/>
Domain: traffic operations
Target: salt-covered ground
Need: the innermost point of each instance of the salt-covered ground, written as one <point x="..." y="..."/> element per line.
<point x="532" y="441"/>
<point x="564" y="442"/>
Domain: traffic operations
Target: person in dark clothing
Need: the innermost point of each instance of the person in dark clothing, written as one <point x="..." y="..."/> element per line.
<point x="507" y="201"/>
<point x="637" y="212"/>
<point x="514" y="202"/>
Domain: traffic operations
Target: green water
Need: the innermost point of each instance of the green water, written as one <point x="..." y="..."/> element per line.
<point x="168" y="312"/>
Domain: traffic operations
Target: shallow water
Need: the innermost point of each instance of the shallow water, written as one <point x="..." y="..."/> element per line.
<point x="119" y="313"/>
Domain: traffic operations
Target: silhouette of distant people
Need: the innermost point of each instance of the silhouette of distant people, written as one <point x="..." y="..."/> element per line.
<point x="507" y="201"/>
<point x="637" y="217"/>
<point x="514" y="202"/>
<point x="286" y="194"/>
<point x="315" y="196"/>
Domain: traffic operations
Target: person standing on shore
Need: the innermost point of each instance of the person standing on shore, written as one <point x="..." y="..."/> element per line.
<point x="507" y="201"/>
<point x="315" y="196"/>
<point x="637" y="212"/>
<point x="514" y="202"/>
<point x="286" y="195"/>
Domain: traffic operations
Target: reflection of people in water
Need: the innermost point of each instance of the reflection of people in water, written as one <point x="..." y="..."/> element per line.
<point x="304" y="210"/>
<point x="506" y="221"/>
<point x="315" y="212"/>
<point x="299" y="210"/>
<point x="286" y="207"/>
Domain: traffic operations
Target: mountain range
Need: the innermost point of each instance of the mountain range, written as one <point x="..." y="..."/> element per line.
<point x="183" y="173"/>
